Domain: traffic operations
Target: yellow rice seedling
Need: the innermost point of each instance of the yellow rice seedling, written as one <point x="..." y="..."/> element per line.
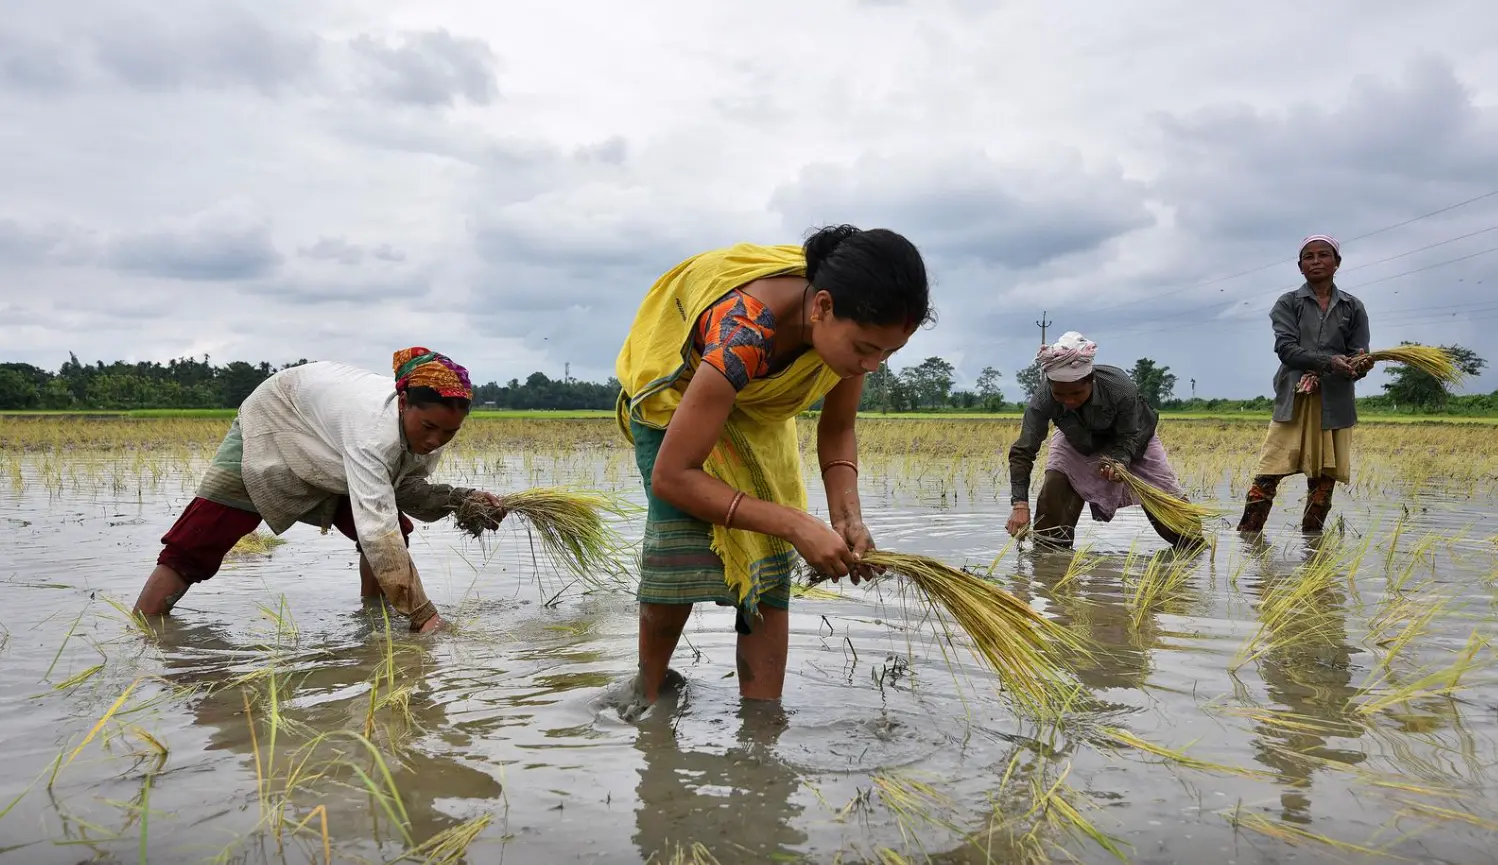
<point x="1435" y="362"/>
<point x="1428" y="682"/>
<point x="1175" y="513"/>
<point x="1162" y="582"/>
<point x="1054" y="807"/>
<point x="568" y="523"/>
<point x="1127" y="739"/>
<point x="1297" y="836"/>
<point x="695" y="853"/>
<point x="1298" y="612"/>
<point x="1017" y="643"/>
<point x="916" y="804"/>
<point x="255" y="544"/>
<point x="448" y="846"/>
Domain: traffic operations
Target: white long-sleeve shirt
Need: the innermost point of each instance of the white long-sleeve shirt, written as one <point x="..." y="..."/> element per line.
<point x="322" y="430"/>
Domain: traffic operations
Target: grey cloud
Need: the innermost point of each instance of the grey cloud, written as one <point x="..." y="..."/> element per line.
<point x="55" y="243"/>
<point x="333" y="249"/>
<point x="35" y="64"/>
<point x="1387" y="151"/>
<point x="309" y="291"/>
<point x="432" y="68"/>
<point x="226" y="243"/>
<point x="339" y="250"/>
<point x="222" y="49"/>
<point x="970" y="207"/>
<point x="181" y="46"/>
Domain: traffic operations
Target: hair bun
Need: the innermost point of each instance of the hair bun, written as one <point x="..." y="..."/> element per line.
<point x="822" y="244"/>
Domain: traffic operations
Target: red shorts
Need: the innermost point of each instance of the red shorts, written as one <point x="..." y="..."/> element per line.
<point x="197" y="543"/>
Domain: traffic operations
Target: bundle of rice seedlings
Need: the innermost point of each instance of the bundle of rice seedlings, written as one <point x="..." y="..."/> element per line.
<point x="1016" y="642"/>
<point x="569" y="524"/>
<point x="1180" y="516"/>
<point x="1435" y="362"/>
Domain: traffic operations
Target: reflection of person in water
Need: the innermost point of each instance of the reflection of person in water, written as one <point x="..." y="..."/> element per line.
<point x="204" y="656"/>
<point x="1311" y="678"/>
<point x="679" y="798"/>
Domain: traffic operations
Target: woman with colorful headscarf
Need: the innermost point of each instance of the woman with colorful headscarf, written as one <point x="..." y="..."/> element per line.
<point x="1320" y="332"/>
<point x="726" y="350"/>
<point x="1098" y="412"/>
<point x="332" y="446"/>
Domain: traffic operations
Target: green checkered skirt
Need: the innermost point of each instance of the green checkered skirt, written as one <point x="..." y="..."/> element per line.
<point x="677" y="562"/>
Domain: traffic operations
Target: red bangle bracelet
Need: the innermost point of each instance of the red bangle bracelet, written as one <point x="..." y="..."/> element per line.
<point x="732" y="507"/>
<point x="849" y="463"/>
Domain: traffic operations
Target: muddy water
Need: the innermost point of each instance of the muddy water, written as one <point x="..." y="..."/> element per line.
<point x="513" y="715"/>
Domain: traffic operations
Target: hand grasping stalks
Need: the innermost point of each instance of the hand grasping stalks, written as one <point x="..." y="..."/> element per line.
<point x="568" y="523"/>
<point x="1435" y="362"/>
<point x="1176" y="514"/>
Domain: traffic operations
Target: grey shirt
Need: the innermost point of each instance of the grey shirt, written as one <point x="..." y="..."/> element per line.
<point x="1305" y="338"/>
<point x="1114" y="421"/>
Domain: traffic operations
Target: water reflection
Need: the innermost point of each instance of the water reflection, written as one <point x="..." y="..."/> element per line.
<point x="737" y="800"/>
<point x="1307" y="673"/>
<point x="356" y="682"/>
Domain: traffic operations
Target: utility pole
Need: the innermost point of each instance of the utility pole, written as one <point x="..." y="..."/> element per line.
<point x="1043" y="324"/>
<point x="1193" y="388"/>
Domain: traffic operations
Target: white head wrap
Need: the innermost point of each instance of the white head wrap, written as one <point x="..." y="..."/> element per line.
<point x="1325" y="238"/>
<point x="1070" y="359"/>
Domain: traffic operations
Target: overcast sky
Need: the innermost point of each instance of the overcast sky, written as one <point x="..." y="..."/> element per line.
<point x="502" y="182"/>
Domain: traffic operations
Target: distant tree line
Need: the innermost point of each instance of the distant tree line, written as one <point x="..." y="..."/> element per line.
<point x="929" y="385"/>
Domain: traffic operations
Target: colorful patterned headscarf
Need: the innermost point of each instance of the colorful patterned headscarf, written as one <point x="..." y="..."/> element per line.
<point x="421" y="367"/>
<point x="1070" y="359"/>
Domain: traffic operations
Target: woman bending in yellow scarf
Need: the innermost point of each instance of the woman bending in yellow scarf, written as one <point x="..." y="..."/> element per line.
<point x="727" y="349"/>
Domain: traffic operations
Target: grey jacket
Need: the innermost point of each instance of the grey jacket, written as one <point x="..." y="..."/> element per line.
<point x="1114" y="421"/>
<point x="1305" y="339"/>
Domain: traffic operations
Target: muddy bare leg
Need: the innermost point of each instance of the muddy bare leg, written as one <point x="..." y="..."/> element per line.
<point x="761" y="655"/>
<point x="660" y="629"/>
<point x="163" y="589"/>
<point x="369" y="587"/>
<point x="1057" y="510"/>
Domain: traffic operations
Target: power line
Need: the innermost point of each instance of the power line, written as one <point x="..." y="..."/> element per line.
<point x="1281" y="261"/>
<point x="1221" y="309"/>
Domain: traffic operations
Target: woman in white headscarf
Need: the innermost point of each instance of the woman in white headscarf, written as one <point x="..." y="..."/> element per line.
<point x="1097" y="412"/>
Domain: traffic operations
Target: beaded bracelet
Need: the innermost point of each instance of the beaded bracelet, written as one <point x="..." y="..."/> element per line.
<point x="734" y="506"/>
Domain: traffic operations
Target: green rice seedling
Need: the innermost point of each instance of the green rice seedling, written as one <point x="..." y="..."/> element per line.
<point x="1016" y="642"/>
<point x="568" y="523"/>
<point x="1434" y="362"/>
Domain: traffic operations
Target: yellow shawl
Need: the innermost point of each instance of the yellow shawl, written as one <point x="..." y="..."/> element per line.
<point x="758" y="451"/>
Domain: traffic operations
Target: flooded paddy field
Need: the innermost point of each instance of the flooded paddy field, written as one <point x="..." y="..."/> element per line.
<point x="1286" y="698"/>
